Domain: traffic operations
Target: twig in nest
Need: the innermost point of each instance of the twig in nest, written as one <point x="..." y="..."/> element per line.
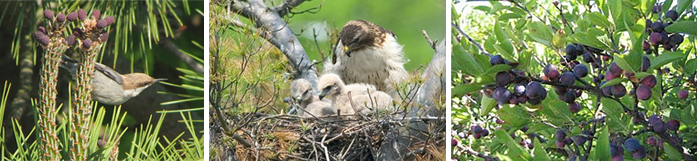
<point x="430" y="42"/>
<point x="353" y="105"/>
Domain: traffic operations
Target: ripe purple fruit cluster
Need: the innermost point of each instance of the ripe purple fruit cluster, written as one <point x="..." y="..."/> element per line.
<point x="478" y="132"/>
<point x="632" y="145"/>
<point x="523" y="90"/>
<point x="568" y="78"/>
<point x="617" y="152"/>
<point x="659" y="126"/>
<point x="658" y="35"/>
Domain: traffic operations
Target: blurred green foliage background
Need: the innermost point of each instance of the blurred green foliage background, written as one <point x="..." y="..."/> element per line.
<point x="406" y="18"/>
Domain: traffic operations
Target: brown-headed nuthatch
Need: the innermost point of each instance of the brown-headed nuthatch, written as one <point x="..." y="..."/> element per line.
<point x="110" y="87"/>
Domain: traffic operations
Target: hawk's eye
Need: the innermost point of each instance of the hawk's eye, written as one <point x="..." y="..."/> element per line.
<point x="355" y="40"/>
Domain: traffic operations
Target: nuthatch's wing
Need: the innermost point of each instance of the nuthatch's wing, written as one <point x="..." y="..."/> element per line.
<point x="108" y="72"/>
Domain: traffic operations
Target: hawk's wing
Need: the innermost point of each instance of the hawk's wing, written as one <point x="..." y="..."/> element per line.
<point x="337" y="49"/>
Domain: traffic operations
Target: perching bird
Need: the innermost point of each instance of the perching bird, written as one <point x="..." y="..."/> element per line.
<point x="301" y="91"/>
<point x="363" y="101"/>
<point x="110" y="87"/>
<point x="368" y="53"/>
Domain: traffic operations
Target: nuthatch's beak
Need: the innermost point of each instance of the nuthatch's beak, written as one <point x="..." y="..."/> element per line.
<point x="160" y="79"/>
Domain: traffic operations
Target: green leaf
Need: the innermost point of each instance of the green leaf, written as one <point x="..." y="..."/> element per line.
<point x="614" y="111"/>
<point x="687" y="27"/>
<point x="461" y="90"/>
<point x="483" y="8"/>
<point x="497" y="68"/>
<point x="557" y="111"/>
<point x="671" y="152"/>
<point x="682" y="5"/>
<point x="598" y="19"/>
<point x="620" y="61"/>
<point x="588" y="40"/>
<point x="539" y="151"/>
<point x="691" y="65"/>
<point x="514" y="149"/>
<point x="540" y="32"/>
<point x="487" y="105"/>
<point x="602" y="149"/>
<point x="614" y="82"/>
<point x="665" y="58"/>
<point x="468" y="62"/>
<point x="615" y="7"/>
<point x="516" y="116"/>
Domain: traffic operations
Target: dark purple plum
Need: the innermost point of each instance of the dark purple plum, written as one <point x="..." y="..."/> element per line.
<point x="618" y="90"/>
<point x="496" y="59"/>
<point x="639" y="153"/>
<point x="655" y="38"/>
<point x="673" y="125"/>
<point x="675" y="39"/>
<point x="643" y="92"/>
<point x="649" y="81"/>
<point x="560" y="135"/>
<point x="682" y="94"/>
<point x="672" y="14"/>
<point x="657" y="27"/>
<point x="631" y="144"/>
<point x="574" y="107"/>
<point x="645" y="64"/>
<point x="534" y="90"/>
<point x="615" y="69"/>
<point x="580" y="70"/>
<point x="551" y="72"/>
<point x="567" y="78"/>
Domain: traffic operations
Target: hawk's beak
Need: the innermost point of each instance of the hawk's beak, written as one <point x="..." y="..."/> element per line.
<point x="347" y="51"/>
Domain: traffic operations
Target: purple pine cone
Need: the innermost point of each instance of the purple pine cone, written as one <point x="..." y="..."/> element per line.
<point x="72" y="16"/>
<point x="48" y="14"/>
<point x="96" y="14"/>
<point x="86" y="44"/>
<point x="60" y="18"/>
<point x="81" y="14"/>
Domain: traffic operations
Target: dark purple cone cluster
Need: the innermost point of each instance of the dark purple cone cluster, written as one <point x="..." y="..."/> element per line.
<point x="72" y="16"/>
<point x="522" y="90"/>
<point x="57" y="23"/>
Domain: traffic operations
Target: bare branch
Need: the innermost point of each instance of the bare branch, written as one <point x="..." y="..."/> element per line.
<point x="284" y="9"/>
<point x="271" y="26"/>
<point x="456" y="26"/>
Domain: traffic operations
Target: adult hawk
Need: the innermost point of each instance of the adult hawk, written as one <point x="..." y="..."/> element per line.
<point x="368" y="53"/>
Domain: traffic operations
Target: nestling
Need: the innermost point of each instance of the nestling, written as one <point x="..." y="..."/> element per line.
<point x="301" y="91"/>
<point x="347" y="102"/>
